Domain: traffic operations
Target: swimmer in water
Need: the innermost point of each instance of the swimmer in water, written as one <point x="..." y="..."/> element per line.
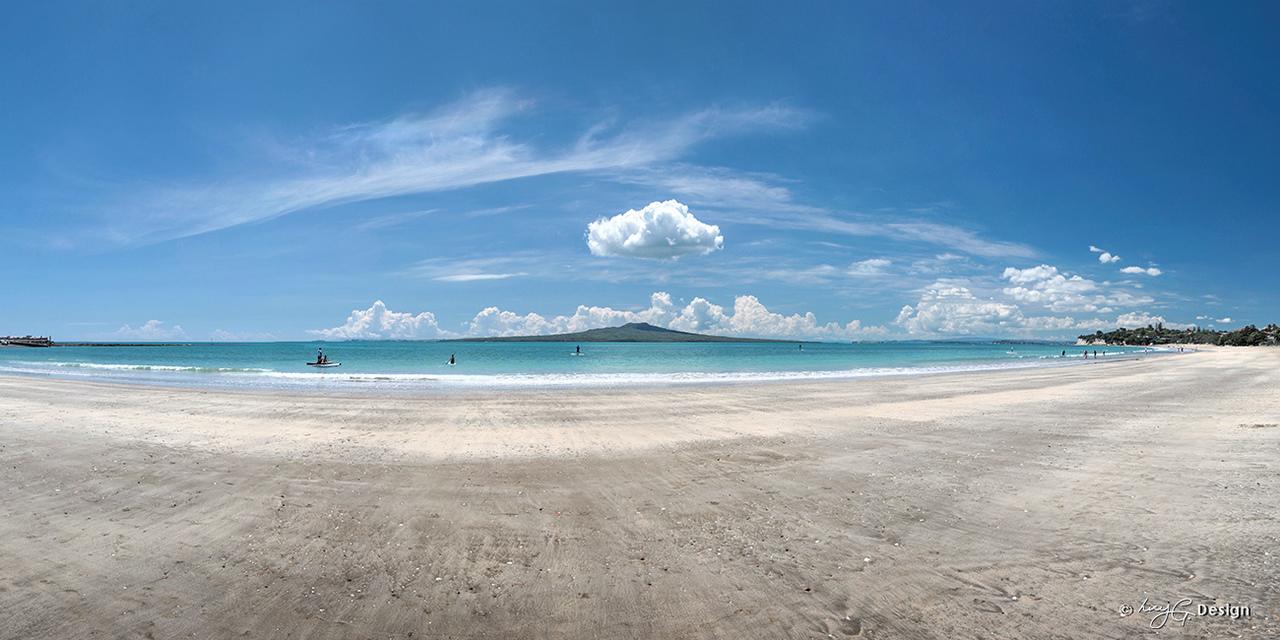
<point x="452" y="360"/>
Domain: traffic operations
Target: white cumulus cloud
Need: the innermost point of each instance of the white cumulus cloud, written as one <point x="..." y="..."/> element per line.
<point x="1106" y="257"/>
<point x="1045" y="285"/>
<point x="1026" y="301"/>
<point x="1058" y="291"/>
<point x="152" y="330"/>
<point x="1130" y="320"/>
<point x="947" y="310"/>
<point x="751" y="318"/>
<point x="493" y="321"/>
<point x="661" y="230"/>
<point x="1138" y="319"/>
<point x="1150" y="271"/>
<point x="951" y="309"/>
<point x="380" y="323"/>
<point x="748" y="317"/>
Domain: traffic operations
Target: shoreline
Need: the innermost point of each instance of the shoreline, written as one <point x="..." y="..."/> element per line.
<point x="430" y="425"/>
<point x="396" y="383"/>
<point x="1027" y="504"/>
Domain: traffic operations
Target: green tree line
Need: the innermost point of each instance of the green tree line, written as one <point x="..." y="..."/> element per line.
<point x="1249" y="336"/>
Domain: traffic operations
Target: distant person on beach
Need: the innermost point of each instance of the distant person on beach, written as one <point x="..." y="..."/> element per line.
<point x="1095" y="353"/>
<point x="1064" y="353"/>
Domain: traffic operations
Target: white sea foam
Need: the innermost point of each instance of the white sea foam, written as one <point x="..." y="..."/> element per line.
<point x="139" y="367"/>
<point x="272" y="379"/>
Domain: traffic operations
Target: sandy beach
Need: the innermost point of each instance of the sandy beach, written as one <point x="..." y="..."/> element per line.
<point x="1018" y="504"/>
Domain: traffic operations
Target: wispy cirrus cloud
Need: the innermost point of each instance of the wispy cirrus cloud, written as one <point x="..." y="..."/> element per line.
<point x="472" y="269"/>
<point x="869" y="267"/>
<point x="389" y="220"/>
<point x="764" y="200"/>
<point x="461" y="145"/>
<point x="470" y="143"/>
<point x="477" y="277"/>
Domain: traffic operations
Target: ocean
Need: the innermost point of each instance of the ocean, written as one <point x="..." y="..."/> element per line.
<point x="421" y="365"/>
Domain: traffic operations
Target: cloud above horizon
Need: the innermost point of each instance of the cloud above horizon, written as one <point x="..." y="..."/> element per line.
<point x="457" y="146"/>
<point x="944" y="309"/>
<point x="759" y="199"/>
<point x="661" y="230"/>
<point x="1217" y="320"/>
<point x="222" y="335"/>
<point x="478" y="140"/>
<point x="1150" y="271"/>
<point x="869" y="267"/>
<point x="380" y="323"/>
<point x="949" y="309"/>
<point x="1058" y="291"/>
<point x="1025" y="301"/>
<point x="748" y="318"/>
<point x="1105" y="257"/>
<point x="152" y="330"/>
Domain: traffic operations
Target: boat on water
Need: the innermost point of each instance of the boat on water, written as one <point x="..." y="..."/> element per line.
<point x="322" y="361"/>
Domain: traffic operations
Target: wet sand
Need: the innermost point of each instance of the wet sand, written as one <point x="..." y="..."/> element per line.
<point x="1021" y="504"/>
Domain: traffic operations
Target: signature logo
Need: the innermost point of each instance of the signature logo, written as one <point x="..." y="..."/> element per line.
<point x="1161" y="613"/>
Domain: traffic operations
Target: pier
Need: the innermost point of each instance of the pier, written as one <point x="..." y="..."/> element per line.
<point x="26" y="341"/>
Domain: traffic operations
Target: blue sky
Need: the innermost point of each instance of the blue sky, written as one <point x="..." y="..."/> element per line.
<point x="830" y="170"/>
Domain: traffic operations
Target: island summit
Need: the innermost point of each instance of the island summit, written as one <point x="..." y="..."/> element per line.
<point x="630" y="332"/>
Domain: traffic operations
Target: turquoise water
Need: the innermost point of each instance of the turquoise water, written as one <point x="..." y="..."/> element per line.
<point x="419" y="365"/>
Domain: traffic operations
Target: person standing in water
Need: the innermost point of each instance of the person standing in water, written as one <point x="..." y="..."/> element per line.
<point x="578" y="349"/>
<point x="452" y="360"/>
